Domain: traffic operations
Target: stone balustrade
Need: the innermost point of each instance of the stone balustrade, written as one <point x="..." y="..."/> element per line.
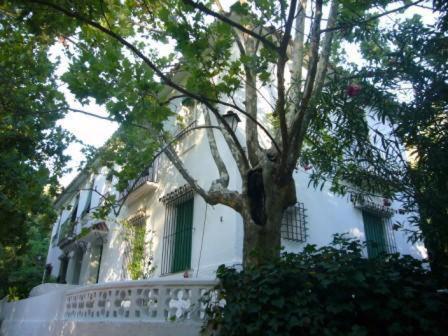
<point x="162" y="306"/>
<point x="156" y="300"/>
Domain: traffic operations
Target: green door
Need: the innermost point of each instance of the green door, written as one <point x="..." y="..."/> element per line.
<point x="182" y="242"/>
<point x="375" y="234"/>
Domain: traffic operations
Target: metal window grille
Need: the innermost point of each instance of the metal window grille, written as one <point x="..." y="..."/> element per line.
<point x="177" y="237"/>
<point x="379" y="234"/>
<point x="294" y="223"/>
<point x="139" y="219"/>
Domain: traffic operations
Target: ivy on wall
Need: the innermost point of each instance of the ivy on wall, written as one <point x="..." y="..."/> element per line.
<point x="139" y="263"/>
<point x="136" y="265"/>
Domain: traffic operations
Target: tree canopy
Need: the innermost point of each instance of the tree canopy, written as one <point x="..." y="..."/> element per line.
<point x="31" y="145"/>
<point x="417" y="60"/>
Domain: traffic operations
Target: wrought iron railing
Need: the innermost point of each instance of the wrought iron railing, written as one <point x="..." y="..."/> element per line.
<point x="67" y="230"/>
<point x="148" y="175"/>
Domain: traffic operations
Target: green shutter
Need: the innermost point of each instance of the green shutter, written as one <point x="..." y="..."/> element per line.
<point x="86" y="209"/>
<point x="375" y="234"/>
<point x="182" y="242"/>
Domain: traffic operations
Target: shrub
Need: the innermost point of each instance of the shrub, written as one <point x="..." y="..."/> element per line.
<point x="332" y="290"/>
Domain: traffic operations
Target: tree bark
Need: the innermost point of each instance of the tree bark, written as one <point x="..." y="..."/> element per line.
<point x="266" y="195"/>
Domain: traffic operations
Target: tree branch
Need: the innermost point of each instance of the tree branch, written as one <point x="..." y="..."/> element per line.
<point x="231" y="138"/>
<point x="326" y="47"/>
<point x="215" y="196"/>
<point x="297" y="51"/>
<point x="250" y="103"/>
<point x="223" y="180"/>
<point x="303" y="114"/>
<point x="280" y="108"/>
<point x="232" y="23"/>
<point x="239" y="109"/>
<point x="361" y="22"/>
<point x="102" y="117"/>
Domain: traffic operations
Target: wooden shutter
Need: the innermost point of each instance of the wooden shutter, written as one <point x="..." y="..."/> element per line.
<point x="375" y="234"/>
<point x="183" y="235"/>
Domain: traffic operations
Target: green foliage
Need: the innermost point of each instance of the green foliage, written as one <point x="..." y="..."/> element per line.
<point x="138" y="253"/>
<point x="330" y="290"/>
<point x="417" y="76"/>
<point x="31" y="151"/>
<point x="20" y="272"/>
<point x="135" y="235"/>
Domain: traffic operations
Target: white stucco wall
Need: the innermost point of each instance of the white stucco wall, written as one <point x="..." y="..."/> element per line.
<point x="217" y="236"/>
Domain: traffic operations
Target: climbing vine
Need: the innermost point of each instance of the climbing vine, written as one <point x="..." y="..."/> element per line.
<point x="139" y="264"/>
<point x="136" y="265"/>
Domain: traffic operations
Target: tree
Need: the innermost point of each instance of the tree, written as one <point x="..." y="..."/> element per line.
<point x="115" y="59"/>
<point x="31" y="146"/>
<point x="416" y="58"/>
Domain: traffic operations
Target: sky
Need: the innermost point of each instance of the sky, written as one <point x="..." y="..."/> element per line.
<point x="95" y="132"/>
<point x="89" y="130"/>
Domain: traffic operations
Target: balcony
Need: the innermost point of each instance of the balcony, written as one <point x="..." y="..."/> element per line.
<point x="144" y="307"/>
<point x="373" y="204"/>
<point x="145" y="182"/>
<point x="67" y="234"/>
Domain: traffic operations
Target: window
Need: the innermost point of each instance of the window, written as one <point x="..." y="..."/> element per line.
<point x="294" y="223"/>
<point x="75" y="209"/>
<point x="135" y="252"/>
<point x="379" y="235"/>
<point x="176" y="255"/>
<point x="56" y="234"/>
<point x="88" y="203"/>
<point x="63" y="269"/>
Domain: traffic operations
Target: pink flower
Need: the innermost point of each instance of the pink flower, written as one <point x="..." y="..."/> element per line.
<point x="353" y="90"/>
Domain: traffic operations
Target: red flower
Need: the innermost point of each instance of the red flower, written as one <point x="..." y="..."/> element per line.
<point x="353" y="90"/>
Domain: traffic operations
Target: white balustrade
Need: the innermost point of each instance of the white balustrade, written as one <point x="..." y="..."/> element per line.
<point x="147" y="300"/>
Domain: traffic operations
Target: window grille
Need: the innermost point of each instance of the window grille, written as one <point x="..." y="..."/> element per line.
<point x="379" y="234"/>
<point x="294" y="223"/>
<point x="177" y="237"/>
<point x="139" y="219"/>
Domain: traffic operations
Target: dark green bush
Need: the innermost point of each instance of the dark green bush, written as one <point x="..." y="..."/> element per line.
<point x="331" y="290"/>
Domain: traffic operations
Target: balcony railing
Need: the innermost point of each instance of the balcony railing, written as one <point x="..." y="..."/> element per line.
<point x="149" y="175"/>
<point x="67" y="231"/>
<point x="374" y="205"/>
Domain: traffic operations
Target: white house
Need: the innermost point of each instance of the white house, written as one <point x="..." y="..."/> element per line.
<point x="185" y="240"/>
<point x="152" y="261"/>
<point x="185" y="237"/>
